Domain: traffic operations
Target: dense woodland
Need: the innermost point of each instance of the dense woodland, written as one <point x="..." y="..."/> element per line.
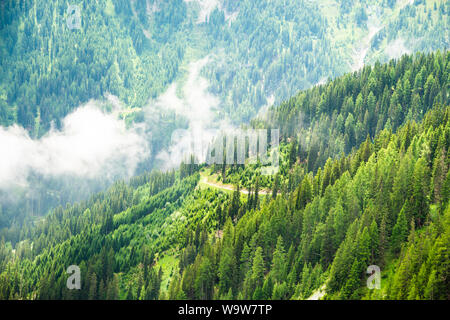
<point x="272" y="48"/>
<point x="258" y="50"/>
<point x="48" y="70"/>
<point x="135" y="49"/>
<point x="332" y="119"/>
<point x="372" y="190"/>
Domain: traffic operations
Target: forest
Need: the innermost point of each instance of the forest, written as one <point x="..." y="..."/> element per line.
<point x="262" y="53"/>
<point x="364" y="180"/>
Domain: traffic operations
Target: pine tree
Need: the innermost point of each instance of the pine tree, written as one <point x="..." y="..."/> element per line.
<point x="400" y="232"/>
<point x="279" y="291"/>
<point x="174" y="287"/>
<point x="245" y="261"/>
<point x="383" y="240"/>
<point x="258" y="294"/>
<point x="353" y="280"/>
<point x="276" y="186"/>
<point x="204" y="282"/>
<point x="413" y="292"/>
<point x="93" y="287"/>
<point x="374" y="242"/>
<point x="420" y="191"/>
<point x="102" y="291"/>
<point x="305" y="283"/>
<point x="327" y="248"/>
<point x="440" y="170"/>
<point x="304" y="194"/>
<point x="279" y="261"/>
<point x="267" y="288"/>
<point x="256" y="200"/>
<point x="255" y="276"/>
<point x="226" y="270"/>
<point x="431" y="288"/>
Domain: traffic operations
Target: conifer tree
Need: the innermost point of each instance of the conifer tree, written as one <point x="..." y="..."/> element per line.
<point x="279" y="261"/>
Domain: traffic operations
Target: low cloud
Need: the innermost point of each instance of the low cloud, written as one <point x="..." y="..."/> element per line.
<point x="94" y="148"/>
<point x="91" y="144"/>
<point x="205" y="7"/>
<point x="193" y="101"/>
<point x="395" y="49"/>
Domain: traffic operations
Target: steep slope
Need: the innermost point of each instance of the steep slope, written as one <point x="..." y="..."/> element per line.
<point x="134" y="53"/>
<point x="267" y="50"/>
<point x="167" y="236"/>
<point x="263" y="52"/>
<point x="48" y="69"/>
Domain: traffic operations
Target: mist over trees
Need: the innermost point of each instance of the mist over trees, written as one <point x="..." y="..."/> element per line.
<point x="169" y="236"/>
<point x="358" y="89"/>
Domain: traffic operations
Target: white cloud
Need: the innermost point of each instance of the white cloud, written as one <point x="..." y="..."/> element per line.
<point x="395" y="49"/>
<point x="90" y="144"/>
<point x="206" y="7"/>
<point x="199" y="107"/>
<point x="96" y="145"/>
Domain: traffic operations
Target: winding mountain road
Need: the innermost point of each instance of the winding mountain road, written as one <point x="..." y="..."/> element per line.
<point x="204" y="180"/>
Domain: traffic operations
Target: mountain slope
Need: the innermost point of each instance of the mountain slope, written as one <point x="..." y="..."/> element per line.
<point x="48" y="69"/>
<point x="262" y="52"/>
<point x="139" y="57"/>
<point x="167" y="236"/>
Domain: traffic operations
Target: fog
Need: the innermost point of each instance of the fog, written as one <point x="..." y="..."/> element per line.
<point x="206" y="7"/>
<point x="93" y="148"/>
<point x="91" y="144"/>
<point x="395" y="49"/>
<point x="193" y="101"/>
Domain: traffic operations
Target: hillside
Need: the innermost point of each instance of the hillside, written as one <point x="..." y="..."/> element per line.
<point x="378" y="196"/>
<point x="260" y="51"/>
<point x="157" y="66"/>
